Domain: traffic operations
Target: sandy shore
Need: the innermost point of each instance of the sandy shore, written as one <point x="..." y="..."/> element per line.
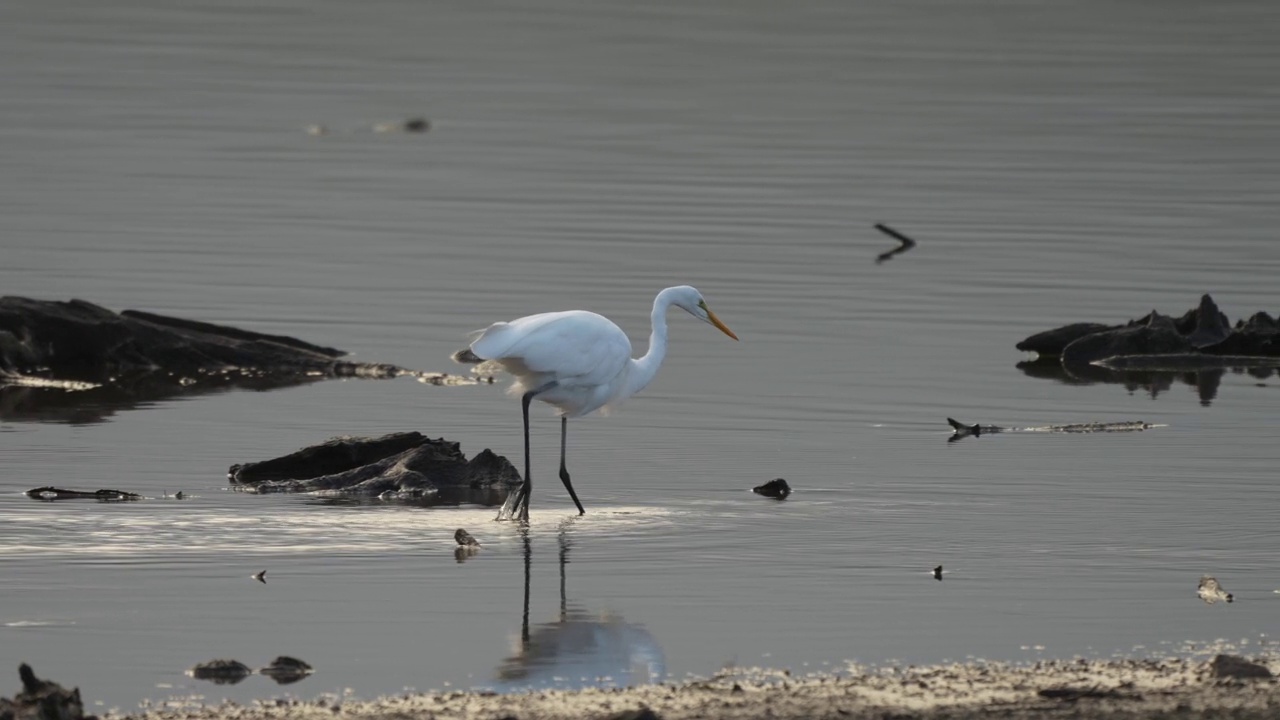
<point x="1061" y="689"/>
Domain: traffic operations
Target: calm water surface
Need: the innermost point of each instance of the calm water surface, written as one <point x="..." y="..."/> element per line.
<point x="1056" y="162"/>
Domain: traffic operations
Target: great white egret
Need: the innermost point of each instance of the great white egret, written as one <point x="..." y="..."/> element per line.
<point x="579" y="362"/>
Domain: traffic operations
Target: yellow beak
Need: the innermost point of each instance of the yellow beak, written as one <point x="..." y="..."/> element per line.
<point x="721" y="326"/>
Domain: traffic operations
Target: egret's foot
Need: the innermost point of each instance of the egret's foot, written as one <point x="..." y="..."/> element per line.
<point x="514" y="507"/>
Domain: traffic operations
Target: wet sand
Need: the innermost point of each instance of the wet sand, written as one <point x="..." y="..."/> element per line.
<point x="1129" y="689"/>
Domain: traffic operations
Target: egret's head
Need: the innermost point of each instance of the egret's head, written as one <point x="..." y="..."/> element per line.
<point x="689" y="299"/>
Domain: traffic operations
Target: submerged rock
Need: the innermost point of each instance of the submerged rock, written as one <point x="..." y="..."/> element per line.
<point x="221" y="671"/>
<point x="42" y="700"/>
<point x="285" y="670"/>
<point x="464" y="538"/>
<point x="778" y="489"/>
<point x="396" y="466"/>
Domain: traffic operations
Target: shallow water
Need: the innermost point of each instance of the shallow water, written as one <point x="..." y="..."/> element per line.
<point x="1055" y="163"/>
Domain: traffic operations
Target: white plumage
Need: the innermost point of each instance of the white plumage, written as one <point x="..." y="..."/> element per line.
<point x="579" y="362"/>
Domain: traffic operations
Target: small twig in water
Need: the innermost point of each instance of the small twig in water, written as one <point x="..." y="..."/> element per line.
<point x="907" y="243"/>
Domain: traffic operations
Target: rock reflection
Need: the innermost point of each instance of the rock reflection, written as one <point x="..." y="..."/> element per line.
<point x="1205" y="381"/>
<point x="579" y="649"/>
<point x="20" y="403"/>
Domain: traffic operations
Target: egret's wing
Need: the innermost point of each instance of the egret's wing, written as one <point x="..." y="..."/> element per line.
<point x="572" y="346"/>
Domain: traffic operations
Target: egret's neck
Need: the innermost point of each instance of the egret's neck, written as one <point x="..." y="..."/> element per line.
<point x="643" y="369"/>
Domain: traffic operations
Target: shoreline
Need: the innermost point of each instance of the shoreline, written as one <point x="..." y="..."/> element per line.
<point x="1124" y="688"/>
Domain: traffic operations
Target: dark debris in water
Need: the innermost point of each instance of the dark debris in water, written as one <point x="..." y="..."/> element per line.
<point x="50" y="493"/>
<point x="777" y="489"/>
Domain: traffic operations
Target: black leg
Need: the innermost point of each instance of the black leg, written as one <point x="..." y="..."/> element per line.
<point x="521" y="509"/>
<point x="564" y="473"/>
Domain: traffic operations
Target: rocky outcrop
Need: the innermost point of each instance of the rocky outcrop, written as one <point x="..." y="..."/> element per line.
<point x="1198" y="347"/>
<point x="397" y="466"/>
<point x="79" y="362"/>
<point x="42" y="700"/>
<point x="82" y="342"/>
<point x="1203" y="330"/>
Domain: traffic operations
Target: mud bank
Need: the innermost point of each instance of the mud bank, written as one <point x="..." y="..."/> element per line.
<point x="1129" y="689"/>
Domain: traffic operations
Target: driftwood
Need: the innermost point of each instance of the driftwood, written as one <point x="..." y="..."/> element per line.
<point x="397" y="466"/>
<point x="960" y="430"/>
<point x="53" y="493"/>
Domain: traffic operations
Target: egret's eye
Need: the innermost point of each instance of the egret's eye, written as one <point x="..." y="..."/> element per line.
<point x="702" y="304"/>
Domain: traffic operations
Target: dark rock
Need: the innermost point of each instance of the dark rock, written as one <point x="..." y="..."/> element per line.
<point x="117" y="358"/>
<point x="1205" y="325"/>
<point x="937" y="573"/>
<point x="1236" y="667"/>
<point x="396" y="466"/>
<point x="1053" y="342"/>
<point x="53" y="493"/>
<point x="78" y="340"/>
<point x="285" y="670"/>
<point x="464" y="538"/>
<point x="221" y="672"/>
<point x="332" y="456"/>
<point x="1155" y="343"/>
<point x="1157" y="336"/>
<point x="778" y="489"/>
<point x="1259" y="335"/>
<point x="42" y="700"/>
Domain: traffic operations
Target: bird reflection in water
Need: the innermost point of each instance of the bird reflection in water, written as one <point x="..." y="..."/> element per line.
<point x="580" y="649"/>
